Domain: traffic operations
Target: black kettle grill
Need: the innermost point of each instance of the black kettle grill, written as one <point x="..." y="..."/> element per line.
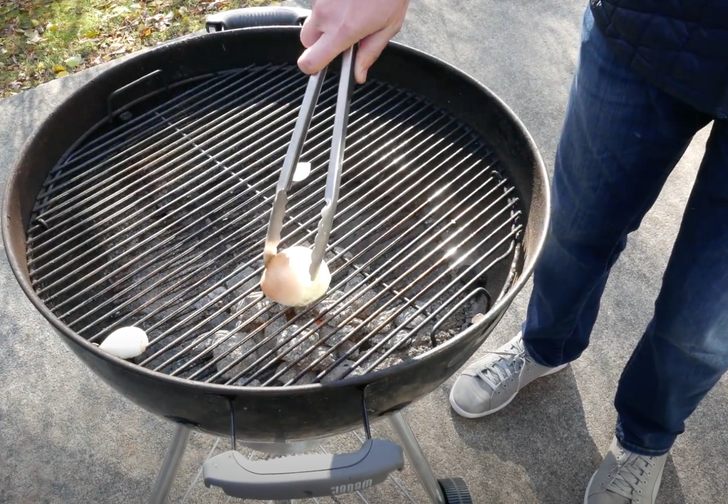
<point x="149" y="206"/>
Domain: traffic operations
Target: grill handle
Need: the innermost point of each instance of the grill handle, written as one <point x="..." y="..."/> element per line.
<point x="303" y="476"/>
<point x="256" y="16"/>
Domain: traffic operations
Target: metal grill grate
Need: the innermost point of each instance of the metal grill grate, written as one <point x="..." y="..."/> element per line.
<point x="158" y="221"/>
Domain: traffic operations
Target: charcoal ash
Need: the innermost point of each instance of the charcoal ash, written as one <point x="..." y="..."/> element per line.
<point x="287" y="375"/>
<point x="241" y="382"/>
<point x="391" y="339"/>
<point x="232" y="347"/>
<point x="291" y="374"/>
<point x="347" y="350"/>
<point x="338" y="372"/>
<point x="240" y="276"/>
<point x="389" y="361"/>
<point x="318" y="336"/>
<point x="383" y="321"/>
<point x="330" y="310"/>
<point x="255" y="306"/>
<point x="342" y="337"/>
<point x="293" y="341"/>
<point x="338" y="258"/>
<point x="271" y="331"/>
<point x="409" y="317"/>
<point x="210" y="306"/>
<point x="358" y="286"/>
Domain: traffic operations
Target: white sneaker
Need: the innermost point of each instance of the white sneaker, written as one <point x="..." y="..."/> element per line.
<point x="625" y="477"/>
<point x="491" y="383"/>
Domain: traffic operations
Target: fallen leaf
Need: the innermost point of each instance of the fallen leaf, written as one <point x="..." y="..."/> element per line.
<point x="33" y="36"/>
<point x="58" y="69"/>
<point x="73" y="61"/>
<point x="120" y="10"/>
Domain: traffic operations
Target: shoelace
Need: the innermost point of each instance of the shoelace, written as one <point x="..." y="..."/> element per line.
<point x="500" y="370"/>
<point x="630" y="475"/>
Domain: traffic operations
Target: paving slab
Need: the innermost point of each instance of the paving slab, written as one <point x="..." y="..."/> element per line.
<point x="66" y="437"/>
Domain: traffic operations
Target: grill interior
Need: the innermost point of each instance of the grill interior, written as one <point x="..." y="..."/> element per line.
<point x="157" y="219"/>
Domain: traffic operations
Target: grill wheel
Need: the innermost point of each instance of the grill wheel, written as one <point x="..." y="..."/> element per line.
<point x="455" y="490"/>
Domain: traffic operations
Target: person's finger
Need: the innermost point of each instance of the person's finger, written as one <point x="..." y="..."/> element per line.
<point x="310" y="33"/>
<point x="324" y="50"/>
<point x="369" y="50"/>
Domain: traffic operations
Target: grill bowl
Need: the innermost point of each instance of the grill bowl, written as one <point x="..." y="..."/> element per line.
<point x="300" y="411"/>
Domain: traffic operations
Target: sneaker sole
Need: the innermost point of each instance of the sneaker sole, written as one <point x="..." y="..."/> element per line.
<point x="586" y="493"/>
<point x="466" y="414"/>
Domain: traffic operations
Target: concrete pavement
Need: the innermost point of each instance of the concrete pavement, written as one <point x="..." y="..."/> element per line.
<point x="66" y="437"/>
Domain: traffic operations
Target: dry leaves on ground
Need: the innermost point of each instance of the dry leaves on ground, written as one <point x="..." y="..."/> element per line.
<point x="41" y="40"/>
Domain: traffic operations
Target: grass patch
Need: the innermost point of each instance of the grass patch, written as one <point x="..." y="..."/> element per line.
<point x="41" y="40"/>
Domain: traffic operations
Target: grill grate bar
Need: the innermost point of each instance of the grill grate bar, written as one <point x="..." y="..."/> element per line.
<point x="260" y="243"/>
<point x="408" y="244"/>
<point x="390" y="318"/>
<point x="361" y="236"/>
<point x="162" y="143"/>
<point x="215" y="190"/>
<point x="112" y="221"/>
<point x="352" y="144"/>
<point x="134" y="203"/>
<point x="207" y="238"/>
<point x="91" y="195"/>
<point x="123" y="167"/>
<point x="510" y="239"/>
<point x="203" y="91"/>
<point x="158" y="222"/>
<point x="112" y="139"/>
<point x="401" y="278"/>
<point x="506" y="239"/>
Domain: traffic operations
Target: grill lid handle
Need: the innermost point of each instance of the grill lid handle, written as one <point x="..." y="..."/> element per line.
<point x="303" y="476"/>
<point x="256" y="16"/>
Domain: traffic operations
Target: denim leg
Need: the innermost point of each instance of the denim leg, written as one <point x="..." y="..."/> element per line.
<point x="684" y="350"/>
<point x="620" y="140"/>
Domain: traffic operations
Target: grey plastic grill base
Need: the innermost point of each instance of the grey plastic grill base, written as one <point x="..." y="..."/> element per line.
<point x="399" y="487"/>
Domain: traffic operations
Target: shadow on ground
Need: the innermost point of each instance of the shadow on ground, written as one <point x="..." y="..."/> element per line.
<point x="544" y="431"/>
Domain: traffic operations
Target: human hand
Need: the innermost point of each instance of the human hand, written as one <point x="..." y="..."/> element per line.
<point x="336" y="25"/>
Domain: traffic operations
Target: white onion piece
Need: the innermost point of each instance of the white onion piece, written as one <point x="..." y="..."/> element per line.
<point x="286" y="279"/>
<point x="126" y="342"/>
<point x="302" y="171"/>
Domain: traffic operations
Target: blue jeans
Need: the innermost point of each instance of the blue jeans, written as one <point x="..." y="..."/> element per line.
<point x="620" y="140"/>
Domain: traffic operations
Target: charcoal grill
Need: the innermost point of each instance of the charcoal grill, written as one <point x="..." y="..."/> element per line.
<point x="149" y="208"/>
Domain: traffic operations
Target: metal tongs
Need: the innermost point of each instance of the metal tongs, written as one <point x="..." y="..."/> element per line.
<point x="333" y="177"/>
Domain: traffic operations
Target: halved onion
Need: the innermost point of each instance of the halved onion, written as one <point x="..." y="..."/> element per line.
<point x="286" y="279"/>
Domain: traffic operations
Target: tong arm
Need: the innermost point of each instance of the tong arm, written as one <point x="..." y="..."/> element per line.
<point x="280" y="200"/>
<point x="336" y="159"/>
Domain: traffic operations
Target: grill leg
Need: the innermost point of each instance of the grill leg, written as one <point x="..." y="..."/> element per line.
<point x="166" y="475"/>
<point x="417" y="458"/>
